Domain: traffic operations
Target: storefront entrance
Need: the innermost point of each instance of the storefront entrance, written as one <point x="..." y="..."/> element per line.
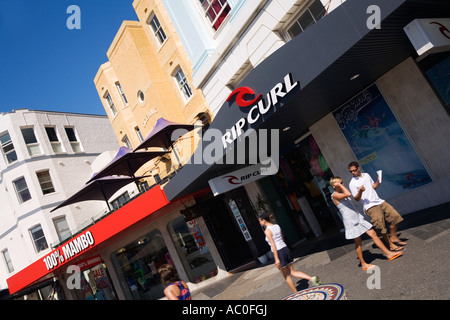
<point x="235" y="229"/>
<point x="228" y="239"/>
<point x="302" y="204"/>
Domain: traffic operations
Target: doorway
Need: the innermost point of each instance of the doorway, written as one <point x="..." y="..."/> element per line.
<point x="229" y="240"/>
<point x="304" y="177"/>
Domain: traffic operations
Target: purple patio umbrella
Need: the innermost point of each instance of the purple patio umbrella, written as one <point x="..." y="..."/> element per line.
<point x="126" y="163"/>
<point x="161" y="135"/>
<point x="99" y="189"/>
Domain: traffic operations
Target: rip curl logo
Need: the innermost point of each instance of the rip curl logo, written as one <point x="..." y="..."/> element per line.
<point x="241" y="94"/>
<point x="443" y="29"/>
<point x="232" y="179"/>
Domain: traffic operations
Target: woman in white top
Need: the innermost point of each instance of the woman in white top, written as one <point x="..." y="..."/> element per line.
<point x="282" y="254"/>
<point x="355" y="224"/>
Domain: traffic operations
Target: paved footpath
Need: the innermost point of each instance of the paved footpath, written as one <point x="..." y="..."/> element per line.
<point x="422" y="273"/>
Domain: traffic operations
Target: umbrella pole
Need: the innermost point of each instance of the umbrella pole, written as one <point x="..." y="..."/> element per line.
<point x="176" y="155"/>
<point x="104" y="196"/>
<point x="132" y="175"/>
<point x="174" y="150"/>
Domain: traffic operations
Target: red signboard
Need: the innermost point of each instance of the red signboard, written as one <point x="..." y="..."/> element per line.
<point x="106" y="228"/>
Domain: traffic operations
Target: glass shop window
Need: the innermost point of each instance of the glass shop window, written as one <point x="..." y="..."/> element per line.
<point x="95" y="284"/>
<point x="137" y="267"/>
<point x="436" y="68"/>
<point x="192" y="249"/>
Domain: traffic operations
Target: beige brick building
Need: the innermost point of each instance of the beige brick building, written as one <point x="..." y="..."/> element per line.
<point x="148" y="76"/>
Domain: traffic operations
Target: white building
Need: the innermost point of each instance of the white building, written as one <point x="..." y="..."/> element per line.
<point x="46" y="157"/>
<point x="226" y="39"/>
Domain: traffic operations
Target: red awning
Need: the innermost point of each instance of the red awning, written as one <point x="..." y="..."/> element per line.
<point x="86" y="241"/>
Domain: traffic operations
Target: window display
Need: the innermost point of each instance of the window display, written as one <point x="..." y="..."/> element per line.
<point x="137" y="267"/>
<point x="95" y="283"/>
<point x="380" y="143"/>
<point x="192" y="249"/>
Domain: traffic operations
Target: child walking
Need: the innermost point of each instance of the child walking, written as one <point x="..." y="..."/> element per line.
<point x="355" y="224"/>
<point x="282" y="254"/>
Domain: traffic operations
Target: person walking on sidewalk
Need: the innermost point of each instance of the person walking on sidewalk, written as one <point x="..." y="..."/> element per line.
<point x="363" y="188"/>
<point x="282" y="254"/>
<point x="176" y="289"/>
<point x="355" y="224"/>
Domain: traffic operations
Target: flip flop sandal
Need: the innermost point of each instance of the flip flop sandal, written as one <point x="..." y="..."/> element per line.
<point x="396" y="256"/>
<point x="369" y="267"/>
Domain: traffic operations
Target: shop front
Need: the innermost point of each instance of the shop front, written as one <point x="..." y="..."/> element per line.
<point x="232" y="221"/>
<point x="118" y="257"/>
<point x="363" y="94"/>
<point x="301" y="186"/>
<point x="136" y="263"/>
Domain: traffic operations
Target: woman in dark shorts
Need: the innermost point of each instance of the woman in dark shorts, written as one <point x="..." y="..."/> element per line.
<point x="282" y="254"/>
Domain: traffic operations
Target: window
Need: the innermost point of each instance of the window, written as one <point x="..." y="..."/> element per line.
<point x="216" y="11"/>
<point x="127" y="142"/>
<point x="139" y="134"/>
<point x="314" y="13"/>
<point x="8" y="261"/>
<point x="192" y="249"/>
<point x="119" y="88"/>
<point x="62" y="229"/>
<point x="158" y="31"/>
<point x="183" y="84"/>
<point x="137" y="266"/>
<point x="141" y="96"/>
<point x="38" y="237"/>
<point x="23" y="194"/>
<point x="436" y="68"/>
<point x="45" y="181"/>
<point x="8" y="148"/>
<point x="111" y="104"/>
<point x="54" y="140"/>
<point x="31" y="141"/>
<point x="120" y="200"/>
<point x="71" y="135"/>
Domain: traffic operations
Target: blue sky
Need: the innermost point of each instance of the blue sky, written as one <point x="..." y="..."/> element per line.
<point x="46" y="66"/>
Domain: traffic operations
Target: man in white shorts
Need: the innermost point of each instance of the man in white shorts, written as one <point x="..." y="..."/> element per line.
<point x="377" y="209"/>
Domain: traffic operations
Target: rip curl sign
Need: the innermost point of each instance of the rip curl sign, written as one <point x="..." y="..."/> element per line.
<point x="240" y="177"/>
<point x="429" y="35"/>
<point x="241" y="93"/>
<point x="258" y="105"/>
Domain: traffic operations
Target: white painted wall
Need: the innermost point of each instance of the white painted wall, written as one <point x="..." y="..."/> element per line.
<point x="69" y="172"/>
<point x="253" y="30"/>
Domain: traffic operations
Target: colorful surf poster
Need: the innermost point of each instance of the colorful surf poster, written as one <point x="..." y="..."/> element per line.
<point x="379" y="143"/>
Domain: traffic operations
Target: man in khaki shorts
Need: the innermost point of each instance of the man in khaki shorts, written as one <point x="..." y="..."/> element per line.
<point x="377" y="209"/>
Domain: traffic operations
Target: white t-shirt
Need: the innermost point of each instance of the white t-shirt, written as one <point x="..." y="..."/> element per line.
<point x="277" y="237"/>
<point x="369" y="197"/>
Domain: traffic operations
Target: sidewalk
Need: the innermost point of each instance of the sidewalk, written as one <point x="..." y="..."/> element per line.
<point x="421" y="273"/>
